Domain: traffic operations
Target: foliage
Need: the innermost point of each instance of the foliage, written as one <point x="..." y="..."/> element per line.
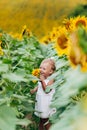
<point x="70" y="98"/>
<point x="16" y="79"/>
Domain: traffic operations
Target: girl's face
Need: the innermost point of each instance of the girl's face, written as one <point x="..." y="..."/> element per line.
<point x="46" y="69"/>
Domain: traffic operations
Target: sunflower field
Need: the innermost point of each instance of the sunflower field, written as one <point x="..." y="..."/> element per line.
<point x="20" y="57"/>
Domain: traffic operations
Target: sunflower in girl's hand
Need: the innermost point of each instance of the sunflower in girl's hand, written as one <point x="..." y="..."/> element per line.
<point x="36" y="72"/>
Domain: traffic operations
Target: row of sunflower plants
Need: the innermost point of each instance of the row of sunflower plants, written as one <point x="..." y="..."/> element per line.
<point x="18" y="58"/>
<point x="70" y="99"/>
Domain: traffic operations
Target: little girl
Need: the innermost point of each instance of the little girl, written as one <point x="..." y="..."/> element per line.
<point x="43" y="99"/>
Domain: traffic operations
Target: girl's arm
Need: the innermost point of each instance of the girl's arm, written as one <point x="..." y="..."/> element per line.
<point x="32" y="91"/>
<point x="44" y="85"/>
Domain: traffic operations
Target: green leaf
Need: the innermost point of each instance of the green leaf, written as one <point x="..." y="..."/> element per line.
<point x="3" y="67"/>
<point x="20" y="71"/>
<point x="24" y="122"/>
<point x="14" y="77"/>
<point x="7" y="118"/>
<point x="7" y="61"/>
<point x="19" y="97"/>
<point x="82" y="33"/>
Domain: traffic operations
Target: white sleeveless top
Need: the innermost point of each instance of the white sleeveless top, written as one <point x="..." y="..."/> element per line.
<point x="43" y="101"/>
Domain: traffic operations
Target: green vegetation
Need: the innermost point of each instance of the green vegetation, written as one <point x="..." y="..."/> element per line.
<point x="16" y="80"/>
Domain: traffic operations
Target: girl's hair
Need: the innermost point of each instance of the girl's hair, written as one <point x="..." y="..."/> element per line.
<point x="52" y="63"/>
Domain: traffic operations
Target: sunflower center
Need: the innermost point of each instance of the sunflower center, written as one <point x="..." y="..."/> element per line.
<point x="62" y="41"/>
<point x="80" y="23"/>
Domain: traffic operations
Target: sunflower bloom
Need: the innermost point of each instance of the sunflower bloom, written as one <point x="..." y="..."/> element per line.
<point x="80" y="21"/>
<point x="25" y="32"/>
<point x="36" y="72"/>
<point x="61" y="44"/>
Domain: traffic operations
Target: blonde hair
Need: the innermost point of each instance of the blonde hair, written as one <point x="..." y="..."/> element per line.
<point x="52" y="63"/>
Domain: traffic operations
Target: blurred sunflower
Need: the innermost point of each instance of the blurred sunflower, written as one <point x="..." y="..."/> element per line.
<point x="76" y="54"/>
<point x="45" y="40"/>
<point x="73" y="23"/>
<point x="80" y="21"/>
<point x="1" y="50"/>
<point x="25" y="32"/>
<point x="54" y="33"/>
<point x="51" y="37"/>
<point x="67" y="23"/>
<point x="61" y="44"/>
<point x="24" y="29"/>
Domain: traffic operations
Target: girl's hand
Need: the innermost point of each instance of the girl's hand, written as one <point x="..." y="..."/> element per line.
<point x="32" y="91"/>
<point x="42" y="77"/>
